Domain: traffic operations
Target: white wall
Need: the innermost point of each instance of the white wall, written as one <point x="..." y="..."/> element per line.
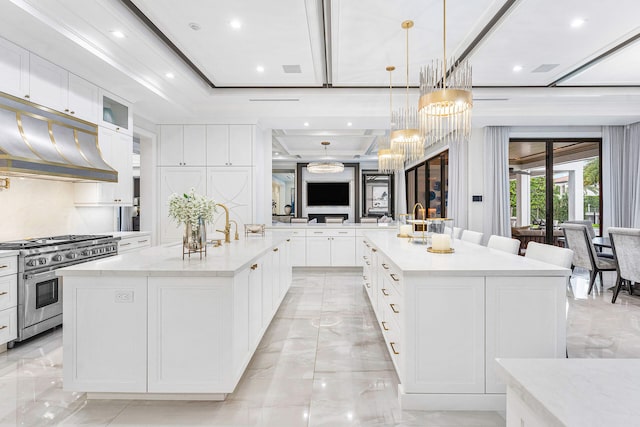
<point x="40" y="208"/>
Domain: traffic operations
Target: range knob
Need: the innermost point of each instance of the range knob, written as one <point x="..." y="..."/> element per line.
<point x="86" y="252"/>
<point x="57" y="258"/>
<point x="32" y="262"/>
<point x="42" y="261"/>
<point x="72" y="255"/>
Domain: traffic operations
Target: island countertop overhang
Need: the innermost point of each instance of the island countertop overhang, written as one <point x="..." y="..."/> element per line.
<point x="167" y="261"/>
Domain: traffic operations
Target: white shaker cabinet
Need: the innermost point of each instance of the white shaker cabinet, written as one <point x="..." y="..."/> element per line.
<point x="8" y="299"/>
<point x="14" y="70"/>
<point x="230" y="145"/>
<point x="117" y="151"/>
<point x="331" y="247"/>
<point x="82" y="99"/>
<point x="183" y="145"/>
<point x="48" y="83"/>
<point x="178" y="180"/>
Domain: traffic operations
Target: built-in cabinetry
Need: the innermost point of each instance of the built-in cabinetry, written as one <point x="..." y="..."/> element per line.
<point x="8" y="299"/>
<point x="134" y="242"/>
<point x="446" y="318"/>
<point x="115" y="113"/>
<point x="198" y="326"/>
<point x="215" y="160"/>
<point x="117" y="151"/>
<point x="14" y="69"/>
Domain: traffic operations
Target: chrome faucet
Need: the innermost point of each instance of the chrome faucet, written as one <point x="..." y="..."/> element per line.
<point x="227" y="226"/>
<point x="236" y="237"/>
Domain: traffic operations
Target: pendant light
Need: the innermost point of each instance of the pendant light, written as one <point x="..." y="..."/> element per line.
<point x="406" y="137"/>
<point x="445" y="97"/>
<point x="325" y="166"/>
<point x="388" y="160"/>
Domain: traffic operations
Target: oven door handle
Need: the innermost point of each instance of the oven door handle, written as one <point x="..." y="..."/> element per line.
<point x="30" y="276"/>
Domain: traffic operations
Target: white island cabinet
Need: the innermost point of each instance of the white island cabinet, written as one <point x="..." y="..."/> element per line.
<point x="148" y="324"/>
<point x="446" y="318"/>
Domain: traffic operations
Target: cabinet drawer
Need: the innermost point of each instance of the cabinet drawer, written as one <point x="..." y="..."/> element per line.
<point x="133" y="243"/>
<point x="390" y="300"/>
<point x="317" y="233"/>
<point x="8" y="325"/>
<point x="341" y="233"/>
<point x="8" y="291"/>
<point x="298" y="233"/>
<point x="390" y="272"/>
<point x="8" y="265"/>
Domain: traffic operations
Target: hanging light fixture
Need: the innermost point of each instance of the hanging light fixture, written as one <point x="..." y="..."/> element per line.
<point x="389" y="161"/>
<point x="405" y="135"/>
<point x="445" y="99"/>
<point x="325" y="166"/>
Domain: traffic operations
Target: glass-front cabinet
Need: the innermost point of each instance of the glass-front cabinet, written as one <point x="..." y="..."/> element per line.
<point x="116" y="113"/>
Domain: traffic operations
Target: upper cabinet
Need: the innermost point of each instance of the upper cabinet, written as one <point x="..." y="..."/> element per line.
<point x="183" y="145"/>
<point x="229" y="145"/>
<point x="116" y="114"/>
<point x="58" y="89"/>
<point x="14" y="70"/>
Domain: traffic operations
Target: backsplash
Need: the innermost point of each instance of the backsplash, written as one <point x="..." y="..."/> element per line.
<point x="39" y="207"/>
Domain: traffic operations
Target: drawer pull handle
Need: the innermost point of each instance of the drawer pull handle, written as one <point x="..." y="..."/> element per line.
<point x="3" y="327"/>
<point x="368" y="263"/>
<point x="343" y="232"/>
<point x="125" y="244"/>
<point x="394" y="277"/>
<point x="4" y="266"/>
<point x="318" y="232"/>
<point x="384" y="292"/>
<point x="142" y="241"/>
<point x="393" y="348"/>
<point x="275" y="250"/>
<point x="364" y="277"/>
<point x="385" y="266"/>
<point x="3" y="293"/>
<point x="288" y="240"/>
<point x="254" y="266"/>
<point x="367" y="284"/>
<point x="393" y="307"/>
<point x="365" y="257"/>
<point x="384" y="325"/>
<point x="374" y="249"/>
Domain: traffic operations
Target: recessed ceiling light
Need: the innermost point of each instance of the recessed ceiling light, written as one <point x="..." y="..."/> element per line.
<point x="169" y="75"/>
<point x="194" y="26"/>
<point x="306" y="124"/>
<point x="260" y="69"/>
<point x="276" y="153"/>
<point x="349" y="124"/>
<point x="235" y="24"/>
<point x="517" y="68"/>
<point x="578" y="22"/>
<point x="117" y="34"/>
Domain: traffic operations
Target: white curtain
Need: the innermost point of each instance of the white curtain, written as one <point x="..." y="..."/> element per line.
<point x="400" y="192"/>
<point x="458" y="197"/>
<point x="497" y="211"/>
<point x="621" y="148"/>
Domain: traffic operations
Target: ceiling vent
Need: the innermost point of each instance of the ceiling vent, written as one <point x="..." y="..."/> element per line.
<point x="545" y="68"/>
<point x="291" y="69"/>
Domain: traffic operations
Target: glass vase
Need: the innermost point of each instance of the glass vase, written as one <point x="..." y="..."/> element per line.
<point x="195" y="237"/>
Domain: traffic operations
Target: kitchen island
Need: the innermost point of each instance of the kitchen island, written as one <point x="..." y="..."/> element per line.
<point x="150" y="324"/>
<point x="445" y="318"/>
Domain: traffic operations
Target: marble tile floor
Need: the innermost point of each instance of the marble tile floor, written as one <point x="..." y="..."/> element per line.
<point x="322" y="362"/>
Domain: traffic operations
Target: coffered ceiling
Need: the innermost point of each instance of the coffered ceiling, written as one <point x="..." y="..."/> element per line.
<point x="323" y="61"/>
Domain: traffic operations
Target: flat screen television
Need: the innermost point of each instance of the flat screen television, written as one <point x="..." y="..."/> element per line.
<point x="327" y="194"/>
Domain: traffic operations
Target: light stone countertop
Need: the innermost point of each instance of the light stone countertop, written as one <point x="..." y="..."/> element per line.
<point x="384" y="226"/>
<point x="166" y="260"/>
<point x="125" y="234"/>
<point x="467" y="260"/>
<point x="576" y="392"/>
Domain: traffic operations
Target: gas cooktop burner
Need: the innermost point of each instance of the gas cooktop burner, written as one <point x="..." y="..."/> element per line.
<point x="49" y="241"/>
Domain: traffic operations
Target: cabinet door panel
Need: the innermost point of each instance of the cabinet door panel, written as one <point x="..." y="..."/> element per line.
<point x="318" y="251"/>
<point x="298" y="251"/>
<point x="171" y="144"/>
<point x="240" y="145"/>
<point x="49" y="84"/>
<point x="255" y="306"/>
<point x="83" y="99"/>
<point x="14" y="69"/>
<point x="177" y="180"/>
<point x="231" y="187"/>
<point x="217" y="145"/>
<point x="194" y="145"/>
<point x="267" y="290"/>
<point x="343" y="251"/>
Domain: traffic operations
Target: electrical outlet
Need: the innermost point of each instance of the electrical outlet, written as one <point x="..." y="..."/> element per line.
<point x="124" y="296"/>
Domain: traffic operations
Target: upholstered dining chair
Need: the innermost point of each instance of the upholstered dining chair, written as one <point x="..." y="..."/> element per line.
<point x="504" y="244"/>
<point x="591" y="232"/>
<point x="625" y="243"/>
<point x="472" y="237"/>
<point x="457" y="232"/>
<point x="562" y="257"/>
<point x="584" y="253"/>
<point x="333" y="220"/>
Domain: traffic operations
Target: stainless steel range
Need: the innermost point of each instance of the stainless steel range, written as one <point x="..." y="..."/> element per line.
<point x="39" y="290"/>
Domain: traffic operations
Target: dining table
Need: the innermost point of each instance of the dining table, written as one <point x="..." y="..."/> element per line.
<point x="602" y="242"/>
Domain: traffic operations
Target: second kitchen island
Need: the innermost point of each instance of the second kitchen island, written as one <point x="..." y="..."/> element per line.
<point x="152" y="325"/>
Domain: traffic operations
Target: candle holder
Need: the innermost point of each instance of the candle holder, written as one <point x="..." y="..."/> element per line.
<point x="440" y="234"/>
<point x="405" y="229"/>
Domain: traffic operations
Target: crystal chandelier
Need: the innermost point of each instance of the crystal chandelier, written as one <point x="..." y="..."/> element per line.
<point x="325" y="166"/>
<point x="445" y="97"/>
<point x="405" y="135"/>
<point x="388" y="160"/>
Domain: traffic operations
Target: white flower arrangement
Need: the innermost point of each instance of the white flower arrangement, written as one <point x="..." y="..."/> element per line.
<point x="191" y="208"/>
